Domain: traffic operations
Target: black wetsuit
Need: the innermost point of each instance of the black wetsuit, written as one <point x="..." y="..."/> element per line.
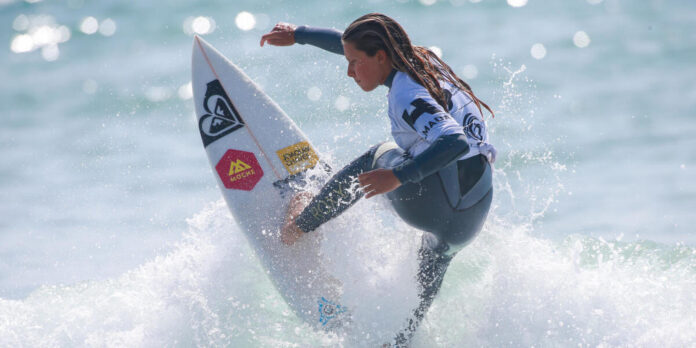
<point x="444" y="196"/>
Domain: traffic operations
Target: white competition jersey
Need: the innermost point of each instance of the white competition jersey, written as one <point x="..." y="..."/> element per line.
<point x="417" y="119"/>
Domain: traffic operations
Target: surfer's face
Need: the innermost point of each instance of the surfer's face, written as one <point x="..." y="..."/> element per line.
<point x="368" y="72"/>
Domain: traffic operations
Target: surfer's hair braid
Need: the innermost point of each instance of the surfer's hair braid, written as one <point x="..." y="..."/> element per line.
<point x="375" y="31"/>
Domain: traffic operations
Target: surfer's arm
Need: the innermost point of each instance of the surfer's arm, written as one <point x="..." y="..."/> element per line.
<point x="324" y="38"/>
<point x="443" y="151"/>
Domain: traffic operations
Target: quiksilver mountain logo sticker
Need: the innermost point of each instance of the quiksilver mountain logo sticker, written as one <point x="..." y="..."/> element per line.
<point x="221" y="117"/>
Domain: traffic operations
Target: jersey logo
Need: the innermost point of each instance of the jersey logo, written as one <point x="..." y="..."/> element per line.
<point x="474" y="127"/>
<point x="221" y="118"/>
<point x="421" y="107"/>
<point x="433" y="122"/>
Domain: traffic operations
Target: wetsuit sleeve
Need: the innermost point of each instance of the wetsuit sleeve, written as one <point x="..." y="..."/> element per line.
<point x="445" y="150"/>
<point x="324" y="38"/>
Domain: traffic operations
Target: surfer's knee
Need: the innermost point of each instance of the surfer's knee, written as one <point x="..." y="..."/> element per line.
<point x="368" y="160"/>
<point x="392" y="151"/>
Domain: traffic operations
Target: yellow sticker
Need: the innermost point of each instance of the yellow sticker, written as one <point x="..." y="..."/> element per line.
<point x="298" y="157"/>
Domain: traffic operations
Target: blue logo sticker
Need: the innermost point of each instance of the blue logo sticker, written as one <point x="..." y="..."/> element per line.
<point x="328" y="310"/>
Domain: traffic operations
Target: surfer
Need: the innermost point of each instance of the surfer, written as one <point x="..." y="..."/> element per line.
<point x="437" y="175"/>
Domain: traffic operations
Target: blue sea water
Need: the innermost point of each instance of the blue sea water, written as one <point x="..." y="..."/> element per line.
<point x="113" y="232"/>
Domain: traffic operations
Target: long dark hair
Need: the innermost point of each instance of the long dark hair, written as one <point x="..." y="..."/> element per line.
<point x="375" y="31"/>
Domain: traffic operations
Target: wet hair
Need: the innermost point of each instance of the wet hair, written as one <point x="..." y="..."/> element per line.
<point x="375" y="31"/>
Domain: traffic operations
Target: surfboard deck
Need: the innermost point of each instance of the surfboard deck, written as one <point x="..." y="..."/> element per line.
<point x="255" y="150"/>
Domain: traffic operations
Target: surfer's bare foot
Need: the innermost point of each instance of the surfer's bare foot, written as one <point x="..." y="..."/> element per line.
<point x="290" y="233"/>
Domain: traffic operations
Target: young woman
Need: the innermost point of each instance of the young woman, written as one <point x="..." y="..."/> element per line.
<point x="437" y="176"/>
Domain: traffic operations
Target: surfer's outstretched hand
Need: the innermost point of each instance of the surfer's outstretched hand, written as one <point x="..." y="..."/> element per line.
<point x="283" y="34"/>
<point x="378" y="181"/>
<point x="290" y="233"/>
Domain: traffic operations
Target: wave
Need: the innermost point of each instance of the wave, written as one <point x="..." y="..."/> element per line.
<point x="507" y="287"/>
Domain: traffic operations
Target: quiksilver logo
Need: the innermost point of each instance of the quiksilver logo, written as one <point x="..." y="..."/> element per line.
<point x="221" y="117"/>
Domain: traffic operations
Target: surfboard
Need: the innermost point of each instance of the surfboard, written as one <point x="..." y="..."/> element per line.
<point x="256" y="151"/>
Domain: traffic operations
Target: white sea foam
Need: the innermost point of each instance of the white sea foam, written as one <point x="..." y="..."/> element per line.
<point x="507" y="286"/>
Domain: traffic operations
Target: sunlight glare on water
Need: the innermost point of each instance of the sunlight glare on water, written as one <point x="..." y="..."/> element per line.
<point x="157" y="93"/>
<point x="245" y="21"/>
<point x="538" y="51"/>
<point x="517" y="3"/>
<point x="200" y="25"/>
<point x="21" y="23"/>
<point x="89" y="25"/>
<point x="470" y="71"/>
<point x="107" y="27"/>
<point x="50" y="52"/>
<point x="314" y="93"/>
<point x="41" y="32"/>
<point x="436" y="50"/>
<point x="581" y="39"/>
<point x="22" y="43"/>
<point x="342" y="103"/>
<point x="185" y="92"/>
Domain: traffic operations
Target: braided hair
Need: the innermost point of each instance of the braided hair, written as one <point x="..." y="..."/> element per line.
<point x="375" y="31"/>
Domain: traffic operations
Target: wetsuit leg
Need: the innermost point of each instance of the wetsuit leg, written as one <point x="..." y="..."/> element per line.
<point x="433" y="265"/>
<point x="341" y="191"/>
<point x="425" y="205"/>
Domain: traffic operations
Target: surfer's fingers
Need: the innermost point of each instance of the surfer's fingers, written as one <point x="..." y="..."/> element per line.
<point x="278" y="42"/>
<point x="365" y="186"/>
<point x="268" y="38"/>
<point x="374" y="190"/>
<point x="368" y="179"/>
<point x="364" y="179"/>
<point x="278" y="39"/>
<point x="264" y="38"/>
<point x="371" y="194"/>
<point x="369" y="189"/>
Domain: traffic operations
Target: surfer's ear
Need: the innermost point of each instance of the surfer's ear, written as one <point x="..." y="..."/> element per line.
<point x="381" y="56"/>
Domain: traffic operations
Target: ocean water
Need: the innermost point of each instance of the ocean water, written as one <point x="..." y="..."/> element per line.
<point x="113" y="232"/>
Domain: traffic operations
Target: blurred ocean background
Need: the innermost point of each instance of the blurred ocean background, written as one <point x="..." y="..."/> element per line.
<point x="113" y="232"/>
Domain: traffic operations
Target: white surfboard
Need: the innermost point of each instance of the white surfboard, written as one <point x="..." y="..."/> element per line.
<point x="254" y="149"/>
